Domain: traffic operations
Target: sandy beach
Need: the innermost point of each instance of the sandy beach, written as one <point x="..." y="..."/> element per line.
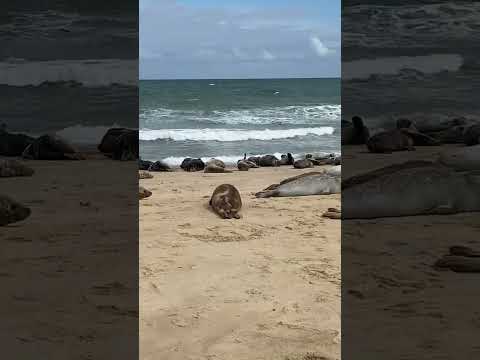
<point x="388" y="277"/>
<point x="266" y="286"/>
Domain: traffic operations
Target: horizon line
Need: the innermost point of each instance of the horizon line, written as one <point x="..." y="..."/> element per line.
<point x="245" y="78"/>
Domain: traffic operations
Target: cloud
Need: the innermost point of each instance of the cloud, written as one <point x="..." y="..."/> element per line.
<point x="267" y="55"/>
<point x="185" y="41"/>
<point x="319" y="47"/>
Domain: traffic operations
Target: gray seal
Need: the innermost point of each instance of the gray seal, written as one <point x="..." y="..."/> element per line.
<point x="268" y="160"/>
<point x="13" y="144"/>
<point x="159" y="166"/>
<point x="389" y="141"/>
<point x="303" y="164"/>
<point x="314" y="183"/>
<point x="50" y="147"/>
<point x="226" y="202"/>
<point x="215" y="166"/>
<point x="12" y="211"/>
<point x="12" y="168"/>
<point x="189" y="164"/>
<point x="355" y="132"/>
<point x="409" y="191"/>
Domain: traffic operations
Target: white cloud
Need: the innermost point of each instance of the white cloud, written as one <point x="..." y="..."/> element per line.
<point x="319" y="47"/>
<point x="267" y="55"/>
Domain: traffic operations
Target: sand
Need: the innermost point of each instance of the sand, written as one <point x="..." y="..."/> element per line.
<point x="266" y="286"/>
<point x="393" y="299"/>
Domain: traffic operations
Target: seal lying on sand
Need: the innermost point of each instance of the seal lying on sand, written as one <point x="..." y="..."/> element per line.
<point x="226" y="202"/>
<point x="286" y="159"/>
<point x="13" y="144"/>
<point x="332" y="213"/>
<point x="389" y="141"/>
<point x="268" y="160"/>
<point x="143" y="193"/>
<point x="419" y="139"/>
<point x="189" y="164"/>
<point x="144" y="175"/>
<point x="144" y="164"/>
<point x="472" y="135"/>
<point x="50" y="147"/>
<point x="159" y="166"/>
<point x="314" y="183"/>
<point x="245" y="165"/>
<point x="354" y="133"/>
<point x="303" y="164"/>
<point x="461" y="159"/>
<point x="460" y="259"/>
<point x="125" y="147"/>
<point x="215" y="166"/>
<point x="422" y="190"/>
<point x="11" y="168"/>
<point x="255" y="160"/>
<point x="11" y="211"/>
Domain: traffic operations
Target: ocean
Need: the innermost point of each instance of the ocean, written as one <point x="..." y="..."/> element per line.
<point x="227" y="118"/>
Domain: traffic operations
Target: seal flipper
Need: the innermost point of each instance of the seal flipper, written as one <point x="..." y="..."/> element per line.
<point x="266" y="193"/>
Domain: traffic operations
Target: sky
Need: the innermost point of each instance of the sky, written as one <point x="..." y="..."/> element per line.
<point x="212" y="39"/>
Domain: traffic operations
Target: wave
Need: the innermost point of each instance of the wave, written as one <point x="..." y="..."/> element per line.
<point x="258" y="116"/>
<point x="84" y="135"/>
<point x="401" y="65"/>
<point x="90" y="73"/>
<point x="175" y="161"/>
<point x="226" y="135"/>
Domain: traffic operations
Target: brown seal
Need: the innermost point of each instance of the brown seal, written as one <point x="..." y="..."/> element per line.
<point x="226" y="202"/>
<point x="143" y="193"/>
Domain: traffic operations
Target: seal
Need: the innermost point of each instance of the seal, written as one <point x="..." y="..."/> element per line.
<point x="355" y="132"/>
<point x="286" y="159"/>
<point x="11" y="168"/>
<point x="12" y="211"/>
<point x="461" y="250"/>
<point x="314" y="183"/>
<point x="50" y="147"/>
<point x="215" y="166"/>
<point x="409" y="191"/>
<point x="268" y="160"/>
<point x="159" y="166"/>
<point x="472" y="135"/>
<point x="107" y="144"/>
<point x="419" y="139"/>
<point x="144" y="164"/>
<point x="461" y="159"/>
<point x="143" y="193"/>
<point x="125" y="147"/>
<point x="245" y="165"/>
<point x="460" y="264"/>
<point x="226" y="202"/>
<point x="303" y="164"/>
<point x="255" y="160"/>
<point x="189" y="164"/>
<point x="389" y="141"/>
<point x="144" y="175"/>
<point x="13" y="144"/>
<point x="332" y="213"/>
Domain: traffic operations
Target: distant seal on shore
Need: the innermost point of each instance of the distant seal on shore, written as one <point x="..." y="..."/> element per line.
<point x="11" y="168"/>
<point x="159" y="166"/>
<point x="13" y="144"/>
<point x="189" y="164"/>
<point x="472" y="135"/>
<point x="355" y="132"/>
<point x="50" y="147"/>
<point x="419" y="139"/>
<point x="303" y="164"/>
<point x="125" y="147"/>
<point x="12" y="211"/>
<point x="461" y="159"/>
<point x="332" y="213"/>
<point x="268" y="160"/>
<point x="144" y="164"/>
<point x="144" y="175"/>
<point x="315" y="183"/>
<point x="245" y="165"/>
<point x="143" y="193"/>
<point x="226" y="202"/>
<point x="254" y="159"/>
<point x="422" y="190"/>
<point x="389" y="141"/>
<point x="286" y="159"/>
<point x="215" y="166"/>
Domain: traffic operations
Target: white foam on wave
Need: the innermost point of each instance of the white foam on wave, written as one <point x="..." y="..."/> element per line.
<point x="259" y="116"/>
<point x="90" y="73"/>
<point x="226" y="135"/>
<point x="430" y="64"/>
